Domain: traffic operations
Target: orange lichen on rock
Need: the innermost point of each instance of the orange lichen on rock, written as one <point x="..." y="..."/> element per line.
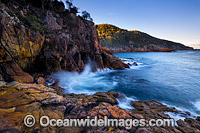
<point x="18" y="100"/>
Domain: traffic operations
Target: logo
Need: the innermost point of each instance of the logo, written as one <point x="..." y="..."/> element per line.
<point x="29" y="120"/>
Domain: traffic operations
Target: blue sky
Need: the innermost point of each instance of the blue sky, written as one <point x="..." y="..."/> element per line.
<point x="175" y="20"/>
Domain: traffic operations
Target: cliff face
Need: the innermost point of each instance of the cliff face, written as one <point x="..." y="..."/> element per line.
<point x="120" y="40"/>
<point x="47" y="42"/>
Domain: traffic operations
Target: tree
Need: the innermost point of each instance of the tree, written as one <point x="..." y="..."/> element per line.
<point x="74" y="10"/>
<point x="86" y="16"/>
<point x="69" y="3"/>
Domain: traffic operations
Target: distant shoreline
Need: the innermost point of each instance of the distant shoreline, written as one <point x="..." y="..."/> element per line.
<point x="127" y="51"/>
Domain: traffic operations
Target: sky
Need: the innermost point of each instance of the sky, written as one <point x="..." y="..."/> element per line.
<point x="175" y="20"/>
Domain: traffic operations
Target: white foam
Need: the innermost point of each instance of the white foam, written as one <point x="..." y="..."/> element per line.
<point x="176" y="117"/>
<point x="193" y="114"/>
<point x="125" y="103"/>
<point x="127" y="61"/>
<point x="131" y="61"/>
<point x="86" y="82"/>
<point x="197" y="105"/>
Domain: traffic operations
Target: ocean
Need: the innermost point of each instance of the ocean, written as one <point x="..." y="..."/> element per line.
<point x="172" y="78"/>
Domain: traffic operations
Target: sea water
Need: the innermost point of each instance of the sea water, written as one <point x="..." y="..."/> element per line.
<point x="172" y="78"/>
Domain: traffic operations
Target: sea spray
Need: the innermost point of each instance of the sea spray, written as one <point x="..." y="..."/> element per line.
<point x="86" y="82"/>
<point x="89" y="82"/>
<point x="197" y="105"/>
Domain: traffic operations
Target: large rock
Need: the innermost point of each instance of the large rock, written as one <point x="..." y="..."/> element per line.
<point x="41" y="80"/>
<point x="10" y="71"/>
<point x="110" y="61"/>
<point x="18" y="42"/>
<point x="51" y="22"/>
<point x="152" y="109"/>
<point x="73" y="47"/>
<point x="18" y="100"/>
<point x="109" y="97"/>
<point x="62" y="42"/>
<point x="188" y="127"/>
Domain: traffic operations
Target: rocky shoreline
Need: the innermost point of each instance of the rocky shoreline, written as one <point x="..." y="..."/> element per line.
<point x="34" y="44"/>
<point x="20" y="99"/>
<point x="143" y="50"/>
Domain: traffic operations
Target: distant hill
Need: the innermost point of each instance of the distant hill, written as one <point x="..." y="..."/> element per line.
<point x="121" y="40"/>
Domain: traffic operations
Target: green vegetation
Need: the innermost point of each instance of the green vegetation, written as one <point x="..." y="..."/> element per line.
<point x="33" y="22"/>
<point x="34" y="18"/>
<point x="114" y="38"/>
<point x="108" y="31"/>
<point x="72" y="8"/>
<point x="86" y="16"/>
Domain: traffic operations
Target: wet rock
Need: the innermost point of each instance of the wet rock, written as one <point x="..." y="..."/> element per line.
<point x="152" y="109"/>
<point x="140" y="106"/>
<point x="135" y="63"/>
<point x="121" y="96"/>
<point x="130" y="58"/>
<point x="114" y="94"/>
<point x="198" y="118"/>
<point x="41" y="81"/>
<point x="109" y="97"/>
<point x="155" y="110"/>
<point x="111" y="61"/>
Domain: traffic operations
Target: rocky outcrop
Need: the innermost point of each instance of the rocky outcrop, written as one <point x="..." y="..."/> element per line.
<point x="17" y="42"/>
<point x="108" y="97"/>
<point x="189" y="125"/>
<point x="152" y="109"/>
<point x="10" y="71"/>
<point x="46" y="43"/>
<point x="19" y="99"/>
<point x="72" y="47"/>
<point x="112" y="62"/>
